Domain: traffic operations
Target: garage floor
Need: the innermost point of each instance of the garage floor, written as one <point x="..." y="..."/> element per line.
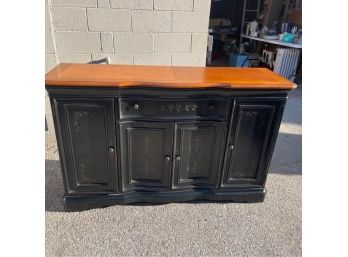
<point x="272" y="228"/>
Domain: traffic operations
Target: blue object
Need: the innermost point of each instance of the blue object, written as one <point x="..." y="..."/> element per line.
<point x="288" y="37"/>
<point x="239" y="60"/>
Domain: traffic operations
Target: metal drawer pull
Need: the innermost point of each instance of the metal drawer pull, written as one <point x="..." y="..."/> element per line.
<point x="231" y="147"/>
<point x="136" y="106"/>
<point x="178" y="158"/>
<point x="167" y="158"/>
<point x="111" y="149"/>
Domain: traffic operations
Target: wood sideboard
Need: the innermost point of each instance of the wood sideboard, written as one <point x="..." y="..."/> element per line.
<point x="164" y="134"/>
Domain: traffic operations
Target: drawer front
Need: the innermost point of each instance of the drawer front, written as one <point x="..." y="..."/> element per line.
<point x="151" y="108"/>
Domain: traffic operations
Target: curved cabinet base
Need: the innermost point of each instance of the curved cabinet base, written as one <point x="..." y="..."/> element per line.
<point x="79" y="203"/>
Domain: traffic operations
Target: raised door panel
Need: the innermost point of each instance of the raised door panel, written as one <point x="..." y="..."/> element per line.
<point x="146" y="150"/>
<point x="198" y="154"/>
<point x="87" y="133"/>
<point x="249" y="149"/>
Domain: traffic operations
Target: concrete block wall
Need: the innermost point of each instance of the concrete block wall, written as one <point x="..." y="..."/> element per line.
<point x="153" y="32"/>
<point x="143" y="32"/>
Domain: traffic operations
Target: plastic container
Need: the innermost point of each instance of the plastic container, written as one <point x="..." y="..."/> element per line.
<point x="237" y="60"/>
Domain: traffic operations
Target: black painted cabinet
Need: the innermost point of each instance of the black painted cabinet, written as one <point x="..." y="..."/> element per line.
<point x="146" y="150"/>
<point x="149" y="158"/>
<point x="120" y="147"/>
<point x="198" y="154"/>
<point x="252" y="131"/>
<point x="87" y="128"/>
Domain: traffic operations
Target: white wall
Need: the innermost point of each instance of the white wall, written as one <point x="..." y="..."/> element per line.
<point x="157" y="32"/>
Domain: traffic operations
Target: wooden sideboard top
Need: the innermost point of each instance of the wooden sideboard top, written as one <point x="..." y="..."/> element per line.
<point x="104" y="75"/>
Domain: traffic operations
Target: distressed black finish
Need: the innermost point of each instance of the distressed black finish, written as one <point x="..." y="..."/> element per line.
<point x="119" y="146"/>
<point x="88" y="143"/>
<point x="198" y="154"/>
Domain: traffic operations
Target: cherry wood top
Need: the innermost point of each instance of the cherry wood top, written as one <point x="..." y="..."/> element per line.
<point x="103" y="75"/>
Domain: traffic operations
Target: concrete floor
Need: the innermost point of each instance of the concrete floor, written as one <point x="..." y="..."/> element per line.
<point x="271" y="228"/>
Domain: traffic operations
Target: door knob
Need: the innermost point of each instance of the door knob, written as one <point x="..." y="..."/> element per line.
<point x="167" y="158"/>
<point x="178" y="158"/>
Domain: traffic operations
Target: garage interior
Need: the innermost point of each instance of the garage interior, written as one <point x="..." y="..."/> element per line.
<point x="257" y="33"/>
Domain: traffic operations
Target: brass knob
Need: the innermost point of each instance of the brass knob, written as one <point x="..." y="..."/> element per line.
<point x="178" y="158"/>
<point x="167" y="158"/>
<point x="136" y="106"/>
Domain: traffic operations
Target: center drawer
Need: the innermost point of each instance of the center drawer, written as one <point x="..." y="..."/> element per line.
<point x="152" y="108"/>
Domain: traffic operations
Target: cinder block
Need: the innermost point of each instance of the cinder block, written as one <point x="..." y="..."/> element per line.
<point x="49" y="48"/>
<point x="152" y="59"/>
<point x="143" y="4"/>
<point x="74" y="58"/>
<point x="104" y="3"/>
<point x="132" y="4"/>
<point x="189" y="59"/>
<point x="50" y="62"/>
<point x="47" y="19"/>
<point x="107" y="42"/>
<point x="142" y="42"/>
<point x="199" y="42"/>
<point x="151" y="21"/>
<point x="173" y="5"/>
<point x="172" y="42"/>
<point x="77" y="42"/>
<point x="133" y="42"/>
<point x="103" y="19"/>
<point x="69" y="19"/>
<point x="202" y="5"/>
<point x="126" y="4"/>
<point x="115" y="58"/>
<point x="74" y="3"/>
<point x="190" y="21"/>
<point x="123" y="42"/>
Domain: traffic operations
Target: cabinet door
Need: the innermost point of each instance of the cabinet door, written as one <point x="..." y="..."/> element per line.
<point x="253" y="131"/>
<point x="146" y="150"/>
<point x="198" y="154"/>
<point x="87" y="136"/>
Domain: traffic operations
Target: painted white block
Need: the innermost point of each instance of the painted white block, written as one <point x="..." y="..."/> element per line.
<point x="199" y="42"/>
<point x="172" y="42"/>
<point x="133" y="42"/>
<point x="104" y="19"/>
<point x="132" y="4"/>
<point x="74" y="3"/>
<point x="77" y="42"/>
<point x="103" y="3"/>
<point x="49" y="48"/>
<point x="69" y="19"/>
<point x="151" y="21"/>
<point x="189" y="59"/>
<point x="173" y="5"/>
<point x="107" y="42"/>
<point x="202" y="5"/>
<point x="50" y="62"/>
<point x="74" y="58"/>
<point x="190" y="21"/>
<point x="47" y="19"/>
<point x="152" y="59"/>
